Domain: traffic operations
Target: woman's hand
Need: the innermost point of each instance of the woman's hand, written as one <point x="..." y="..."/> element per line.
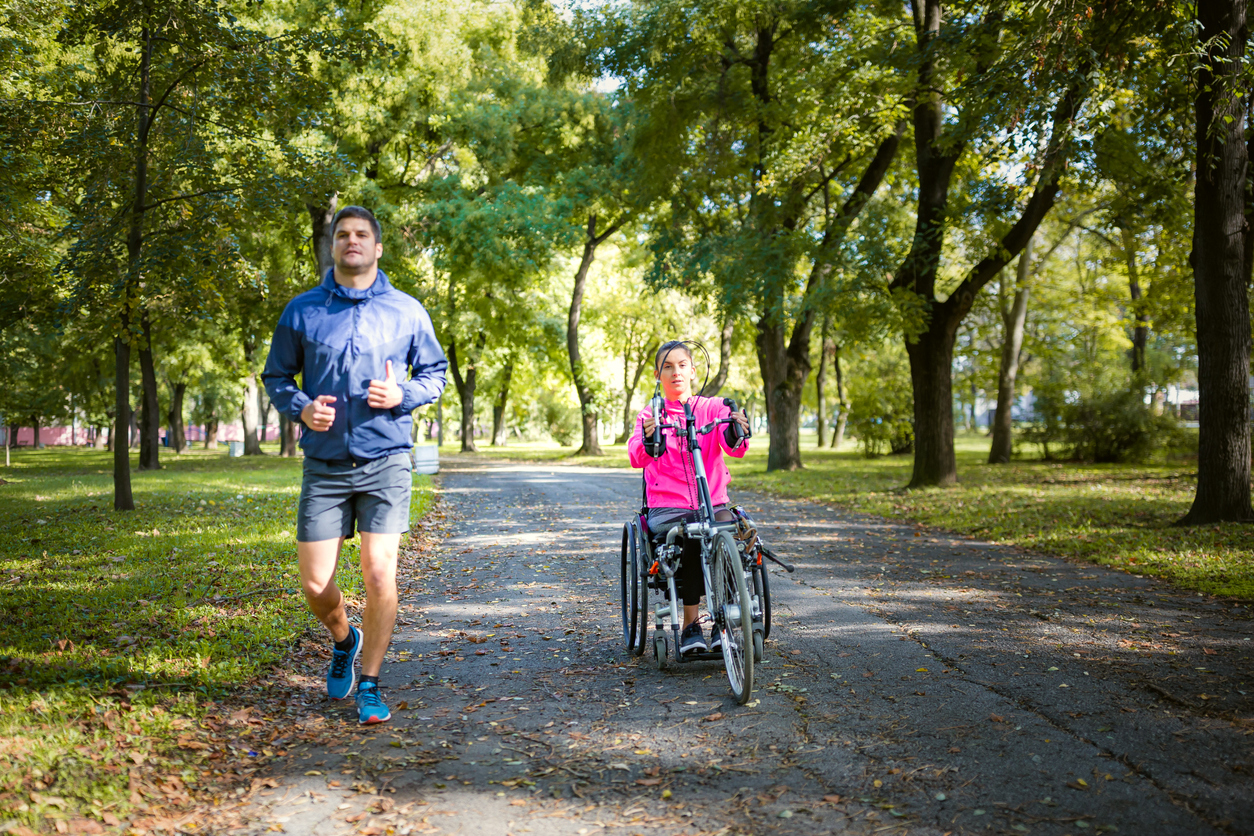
<point x="649" y="424"/>
<point x="742" y="419"/>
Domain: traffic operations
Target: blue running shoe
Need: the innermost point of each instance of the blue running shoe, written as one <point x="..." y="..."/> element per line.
<point x="342" y="675"/>
<point x="370" y="707"/>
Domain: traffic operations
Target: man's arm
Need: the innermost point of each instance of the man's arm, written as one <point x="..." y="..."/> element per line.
<point x="427" y="365"/>
<point x="285" y="361"/>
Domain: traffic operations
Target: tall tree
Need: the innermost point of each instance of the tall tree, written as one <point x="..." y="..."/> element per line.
<point x="984" y="74"/>
<point x="1220" y="270"/>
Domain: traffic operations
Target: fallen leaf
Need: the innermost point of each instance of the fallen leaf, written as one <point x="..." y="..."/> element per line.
<point x="718" y="715"/>
<point x="832" y="799"/>
<point x="648" y="782"/>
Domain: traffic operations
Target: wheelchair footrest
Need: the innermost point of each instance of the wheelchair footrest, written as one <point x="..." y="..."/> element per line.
<point x="707" y="656"/>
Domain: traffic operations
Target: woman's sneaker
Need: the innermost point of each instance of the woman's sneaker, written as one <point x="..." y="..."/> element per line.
<point x="342" y="675"/>
<point x="716" y="641"/>
<point x="370" y="707"/>
<point x="691" y="639"/>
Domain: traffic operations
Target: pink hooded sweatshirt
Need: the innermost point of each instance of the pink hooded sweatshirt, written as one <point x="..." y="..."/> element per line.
<point x="670" y="481"/>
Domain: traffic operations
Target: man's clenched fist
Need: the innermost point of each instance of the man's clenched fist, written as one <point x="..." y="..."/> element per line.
<point x="317" y="415"/>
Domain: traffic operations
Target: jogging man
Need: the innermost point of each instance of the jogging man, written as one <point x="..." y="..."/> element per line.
<point x="350" y="339"/>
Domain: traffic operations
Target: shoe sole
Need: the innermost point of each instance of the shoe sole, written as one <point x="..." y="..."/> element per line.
<point x="374" y="720"/>
<point x="352" y="668"/>
<point x="695" y="648"/>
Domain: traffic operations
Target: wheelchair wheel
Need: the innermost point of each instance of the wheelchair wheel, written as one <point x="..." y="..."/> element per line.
<point x="643" y="558"/>
<point x="762" y="589"/>
<point x="660" y="650"/>
<point x="759" y="647"/>
<point x="733" y="614"/>
<point x="629" y="589"/>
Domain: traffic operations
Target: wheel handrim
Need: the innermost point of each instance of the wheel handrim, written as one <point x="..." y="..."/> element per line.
<point x="626" y="568"/>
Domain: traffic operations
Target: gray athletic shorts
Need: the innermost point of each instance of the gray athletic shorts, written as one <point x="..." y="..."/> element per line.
<point x="372" y="496"/>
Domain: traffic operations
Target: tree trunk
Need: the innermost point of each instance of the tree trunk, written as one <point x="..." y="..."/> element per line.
<point x="150" y="408"/>
<point x="1219" y="271"/>
<point x="838" y="434"/>
<point x="122" y="499"/>
<point x="263" y="411"/>
<point x="466" y="393"/>
<point x="320" y="218"/>
<point x="1012" y="320"/>
<point x="724" y="359"/>
<point x="101" y="441"/>
<point x="583" y="380"/>
<point x="211" y="433"/>
<point x="931" y="360"/>
<point x="175" y="426"/>
<point x="630" y="384"/>
<point x="819" y="381"/>
<point x="498" y="408"/>
<point x="1140" y="320"/>
<point x="35" y="426"/>
<point x="784" y="371"/>
<point x="288" y="441"/>
<point x="249" y="408"/>
<point x="439" y="420"/>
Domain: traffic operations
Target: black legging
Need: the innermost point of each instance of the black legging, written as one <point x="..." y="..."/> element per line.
<point x="689" y="584"/>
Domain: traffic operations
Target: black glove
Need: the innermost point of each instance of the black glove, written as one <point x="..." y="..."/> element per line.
<point x="733" y="435"/>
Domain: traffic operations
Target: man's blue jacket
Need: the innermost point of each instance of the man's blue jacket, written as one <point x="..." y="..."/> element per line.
<point x="339" y="339"/>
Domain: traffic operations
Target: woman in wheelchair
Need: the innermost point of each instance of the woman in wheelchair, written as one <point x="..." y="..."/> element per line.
<point x="670" y="481"/>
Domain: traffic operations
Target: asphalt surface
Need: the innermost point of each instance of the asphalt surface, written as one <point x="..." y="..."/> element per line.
<point x="915" y="682"/>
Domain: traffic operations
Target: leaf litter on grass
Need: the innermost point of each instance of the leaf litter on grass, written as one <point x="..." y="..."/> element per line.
<point x="141" y="652"/>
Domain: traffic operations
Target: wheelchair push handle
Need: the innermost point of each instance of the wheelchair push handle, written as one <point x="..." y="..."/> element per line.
<point x="655" y="442"/>
<point x="740" y="433"/>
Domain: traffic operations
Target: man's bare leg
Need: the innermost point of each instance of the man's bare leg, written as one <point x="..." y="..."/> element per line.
<point x="378" y="569"/>
<point x="317" y="561"/>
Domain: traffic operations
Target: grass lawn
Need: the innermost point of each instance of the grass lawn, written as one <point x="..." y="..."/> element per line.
<point x="118" y="629"/>
<point x="1117" y="515"/>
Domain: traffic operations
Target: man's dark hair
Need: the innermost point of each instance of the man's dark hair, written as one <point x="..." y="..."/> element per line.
<point x="666" y="349"/>
<point x="358" y="212"/>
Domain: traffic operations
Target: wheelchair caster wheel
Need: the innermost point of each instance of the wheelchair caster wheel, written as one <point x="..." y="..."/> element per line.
<point x="759" y="646"/>
<point x="660" y="649"/>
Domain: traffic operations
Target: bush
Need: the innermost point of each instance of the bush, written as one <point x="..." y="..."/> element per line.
<point x="882" y="414"/>
<point x="1116" y="427"/>
<point x="559" y="418"/>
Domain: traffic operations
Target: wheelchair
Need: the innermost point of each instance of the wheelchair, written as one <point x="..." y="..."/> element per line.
<point x="734" y="565"/>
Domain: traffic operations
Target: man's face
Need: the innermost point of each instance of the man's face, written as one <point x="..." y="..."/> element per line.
<point x="354" y="248"/>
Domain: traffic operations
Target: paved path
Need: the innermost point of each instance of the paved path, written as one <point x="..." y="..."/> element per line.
<point x="915" y="683"/>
